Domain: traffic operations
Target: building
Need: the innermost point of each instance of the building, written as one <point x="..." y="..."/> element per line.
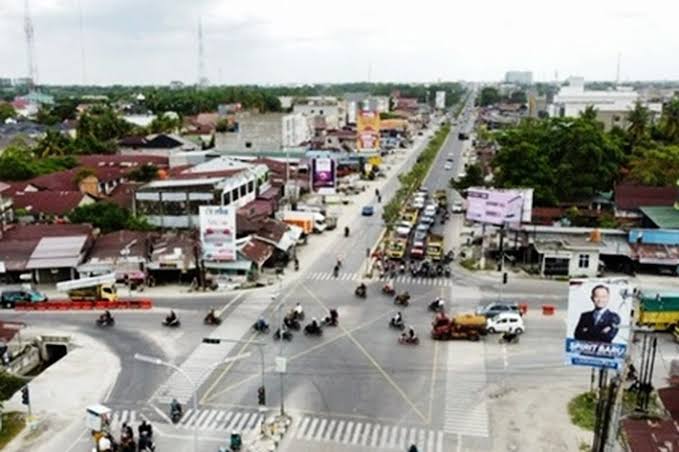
<point x="161" y="144"/>
<point x="612" y="107"/>
<point x="631" y="198"/>
<point x="519" y="77"/>
<point x="656" y="249"/>
<point x="175" y="202"/>
<point x="332" y="110"/>
<point x="48" y="205"/>
<point x="125" y="253"/>
<point x="267" y="131"/>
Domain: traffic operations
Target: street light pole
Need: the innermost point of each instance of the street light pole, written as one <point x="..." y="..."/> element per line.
<point x="160" y="362"/>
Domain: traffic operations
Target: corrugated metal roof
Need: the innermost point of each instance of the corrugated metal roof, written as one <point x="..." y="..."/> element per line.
<point x="57" y="252"/>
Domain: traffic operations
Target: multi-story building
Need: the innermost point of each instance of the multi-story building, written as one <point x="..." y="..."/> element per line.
<point x="331" y="109"/>
<point x="266" y="132"/>
<point x="519" y="77"/>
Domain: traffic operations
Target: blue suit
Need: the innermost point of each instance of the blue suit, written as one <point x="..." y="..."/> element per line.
<point x="589" y="330"/>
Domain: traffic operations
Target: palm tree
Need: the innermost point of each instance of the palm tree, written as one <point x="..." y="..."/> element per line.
<point x="638" y="120"/>
<point x="589" y="113"/>
<point x="670" y="121"/>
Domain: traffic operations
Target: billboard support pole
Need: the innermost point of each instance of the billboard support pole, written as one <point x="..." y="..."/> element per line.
<point x="482" y="260"/>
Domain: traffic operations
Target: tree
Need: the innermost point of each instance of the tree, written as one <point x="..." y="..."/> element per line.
<point x="658" y="167"/>
<point x="589" y="113"/>
<point x="669" y="121"/>
<point x="6" y="111"/>
<point x="54" y="143"/>
<point x="108" y="217"/>
<point x="165" y="123"/>
<point x="144" y="173"/>
<point x="638" y="119"/>
<point x="473" y="178"/>
<point x="489" y="95"/>
<point x="518" y="97"/>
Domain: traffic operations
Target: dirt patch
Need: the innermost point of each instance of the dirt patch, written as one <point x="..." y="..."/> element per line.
<point x="535" y="418"/>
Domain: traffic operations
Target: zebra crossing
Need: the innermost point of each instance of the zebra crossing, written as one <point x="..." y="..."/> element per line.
<point x="401" y="279"/>
<point x="368" y="434"/>
<point x="466" y="411"/>
<point x="231" y="421"/>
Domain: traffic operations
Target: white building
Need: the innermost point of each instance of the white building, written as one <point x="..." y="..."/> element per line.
<point x="331" y="109"/>
<point x="265" y="132"/>
<point x="295" y="130"/>
<point x="612" y="106"/>
<point x="519" y="77"/>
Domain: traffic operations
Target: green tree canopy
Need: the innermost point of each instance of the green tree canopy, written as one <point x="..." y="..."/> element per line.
<point x="669" y="121"/>
<point x="6" y="111"/>
<point x="108" y="217"/>
<point x="489" y="95"/>
<point x="659" y="167"/>
<point x="473" y="178"/>
<point x="144" y="173"/>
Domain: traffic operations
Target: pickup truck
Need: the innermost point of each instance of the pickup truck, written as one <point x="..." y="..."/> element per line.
<point x="435" y="247"/>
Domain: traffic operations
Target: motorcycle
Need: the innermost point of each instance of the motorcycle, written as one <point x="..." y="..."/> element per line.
<point x="175" y="415"/>
<point x="393" y="324"/>
<point x="105" y="321"/>
<point x="235" y="444"/>
<point x="310" y="330"/>
<point x="388" y="290"/>
<point x="292" y="323"/>
<point x="261" y="328"/>
<point x="211" y="319"/>
<point x="407" y="340"/>
<point x="402" y="300"/>
<point x="439" y="270"/>
<point x="435" y="307"/>
<point x="509" y="338"/>
<point x="329" y="321"/>
<point x="446" y="271"/>
<point x="360" y="291"/>
<point x="287" y="335"/>
<point x="171" y="323"/>
<point x="297" y="315"/>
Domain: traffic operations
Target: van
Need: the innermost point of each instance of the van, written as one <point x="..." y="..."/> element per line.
<point x="504" y="321"/>
<point x="11" y="297"/>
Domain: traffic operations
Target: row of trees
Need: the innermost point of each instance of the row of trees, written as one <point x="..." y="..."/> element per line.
<point x="571" y="159"/>
<point x="490" y="95"/>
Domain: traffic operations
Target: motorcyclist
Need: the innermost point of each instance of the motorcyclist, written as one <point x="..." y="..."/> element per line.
<point x="211" y="316"/>
<point x="397" y="320"/>
<point x="296" y="263"/>
<point x="335" y="271"/>
<point x="361" y="289"/>
<point x="437" y="304"/>
<point x="509" y="335"/>
<point x="346" y="231"/>
<point x="411" y="333"/>
<point x="145" y="428"/>
<point x="106" y="317"/>
<point x="175" y="407"/>
<point x="298" y="311"/>
<point x="261" y="324"/>
<point x="314" y="324"/>
<point x="145" y="442"/>
<point x="388" y="287"/>
<point x="171" y="318"/>
<point x="413" y="448"/>
<point x="334" y="316"/>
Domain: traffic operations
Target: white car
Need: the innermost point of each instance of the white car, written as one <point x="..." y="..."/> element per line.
<point x="403" y="228"/>
<point x="448" y="166"/>
<point x="430" y="210"/>
<point x="504" y="321"/>
<point x="457" y="207"/>
<point x="418" y="203"/>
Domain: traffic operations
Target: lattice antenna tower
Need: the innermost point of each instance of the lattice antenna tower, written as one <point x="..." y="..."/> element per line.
<point x="30" y="46"/>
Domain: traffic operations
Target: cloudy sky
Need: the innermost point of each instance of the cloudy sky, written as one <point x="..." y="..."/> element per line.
<point x="301" y="41"/>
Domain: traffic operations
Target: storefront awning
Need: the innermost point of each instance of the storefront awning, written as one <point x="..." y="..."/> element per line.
<point x="231" y="265"/>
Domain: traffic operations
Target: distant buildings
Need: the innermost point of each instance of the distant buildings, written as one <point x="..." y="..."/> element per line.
<point x="612" y="106"/>
<point x="519" y="77"/>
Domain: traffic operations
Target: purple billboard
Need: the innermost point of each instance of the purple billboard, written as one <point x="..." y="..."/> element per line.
<point x="323" y="175"/>
<point x="494" y="206"/>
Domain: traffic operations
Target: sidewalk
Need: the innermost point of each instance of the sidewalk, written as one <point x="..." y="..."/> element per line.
<point x="60" y="394"/>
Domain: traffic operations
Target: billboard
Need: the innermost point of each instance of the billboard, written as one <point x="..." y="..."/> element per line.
<point x="323" y="175"/>
<point x="218" y="233"/>
<point x="494" y="206"/>
<point x="440" y="100"/>
<point x="598" y="323"/>
<point x="368" y="128"/>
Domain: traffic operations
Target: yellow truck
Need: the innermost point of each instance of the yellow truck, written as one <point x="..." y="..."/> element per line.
<point x="96" y="288"/>
<point x="657" y="310"/>
<point x="435" y="247"/>
<point x="396" y="248"/>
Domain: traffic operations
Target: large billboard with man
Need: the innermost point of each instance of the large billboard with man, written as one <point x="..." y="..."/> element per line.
<point x="598" y="323"/>
<point x="368" y="129"/>
<point x="218" y="233"/>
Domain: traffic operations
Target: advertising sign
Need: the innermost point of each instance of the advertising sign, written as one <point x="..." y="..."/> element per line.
<point x="494" y="206"/>
<point x="368" y="128"/>
<point x="323" y="175"/>
<point x="598" y="325"/>
<point x="440" y="100"/>
<point x="218" y="233"/>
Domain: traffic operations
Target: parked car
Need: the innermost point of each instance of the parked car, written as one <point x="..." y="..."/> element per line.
<point x="494" y="309"/>
<point x="420" y="236"/>
<point x="11" y="297"/>
<point x="428" y="220"/>
<point x="422" y="227"/>
<point x="367" y="211"/>
<point x="504" y="321"/>
<point x="457" y="207"/>
<point x="418" y="203"/>
<point x="448" y="166"/>
<point x="403" y="228"/>
<point x="430" y="210"/>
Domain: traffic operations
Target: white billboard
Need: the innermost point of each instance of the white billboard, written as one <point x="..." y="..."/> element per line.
<point x="440" y="100"/>
<point x="598" y="324"/>
<point x="218" y="233"/>
<point x="496" y="206"/>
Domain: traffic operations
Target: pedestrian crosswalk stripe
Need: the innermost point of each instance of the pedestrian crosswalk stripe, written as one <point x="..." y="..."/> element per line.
<point x="227" y="420"/>
<point x="302" y="428"/>
<point x="330" y="430"/>
<point x="218" y="418"/>
<point x="347" y="433"/>
<point x="321" y="429"/>
<point x="366" y="434"/>
<point x="357" y="433"/>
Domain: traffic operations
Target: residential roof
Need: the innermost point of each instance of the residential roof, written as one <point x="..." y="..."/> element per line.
<point x="257" y="251"/>
<point x="38" y="231"/>
<point x="16" y="253"/>
<point x="634" y="196"/>
<point x="49" y="202"/>
<point x="58" y="252"/>
<point x="670" y="400"/>
<point x="123" y="194"/>
<point x="123" y="161"/>
<point x="648" y="435"/>
<point x="110" y="246"/>
<point x="246" y="225"/>
<point x="257" y="208"/>
<point x="274" y="233"/>
<point x="662" y="217"/>
<point x="656" y="254"/>
<point x="66" y="180"/>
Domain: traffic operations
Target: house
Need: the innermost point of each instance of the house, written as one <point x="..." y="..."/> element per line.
<point x="48" y="205"/>
<point x="173" y="258"/>
<point x="266" y="131"/>
<point x="125" y="253"/>
<point x="161" y="144"/>
<point x="630" y="198"/>
<point x="174" y="202"/>
<point x="655" y="249"/>
<point x="281" y="236"/>
<point x="47" y="252"/>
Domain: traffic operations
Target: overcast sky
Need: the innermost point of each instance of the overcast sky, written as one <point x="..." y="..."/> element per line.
<point x="304" y="41"/>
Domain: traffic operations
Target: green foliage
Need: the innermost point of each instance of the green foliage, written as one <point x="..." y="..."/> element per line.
<point x="12" y="424"/>
<point x="6" y="111"/>
<point x="669" y="121"/>
<point x="54" y="143"/>
<point x="164" y="123"/>
<point x="108" y="217"/>
<point x="489" y="95"/>
<point x="563" y="159"/>
<point x="658" y="167"/>
<point x="62" y="110"/>
<point x="582" y="409"/>
<point x="388" y="115"/>
<point x="102" y="124"/>
<point x="144" y="173"/>
<point x="9" y="384"/>
<point x="518" y="97"/>
<point x="472" y="178"/>
<point x="638" y="119"/>
<point x="18" y="163"/>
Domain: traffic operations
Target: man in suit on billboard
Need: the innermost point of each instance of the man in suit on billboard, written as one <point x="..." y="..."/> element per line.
<point x="599" y="324"/>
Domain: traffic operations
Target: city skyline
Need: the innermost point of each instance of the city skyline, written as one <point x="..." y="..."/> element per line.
<point x="265" y="42"/>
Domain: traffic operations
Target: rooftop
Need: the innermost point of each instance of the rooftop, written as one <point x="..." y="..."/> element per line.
<point x="49" y="202"/>
<point x="111" y="246"/>
<point x="633" y="196"/>
<point x="663" y="217"/>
